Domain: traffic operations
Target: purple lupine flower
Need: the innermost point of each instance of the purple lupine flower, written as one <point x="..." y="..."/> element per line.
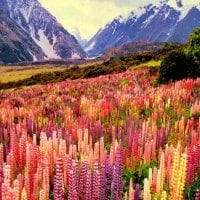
<point x="105" y="179"/>
<point x="96" y="182"/>
<point x="82" y="180"/>
<point x="137" y="192"/>
<point x="73" y="182"/>
<point x="88" y="186"/>
<point x="117" y="182"/>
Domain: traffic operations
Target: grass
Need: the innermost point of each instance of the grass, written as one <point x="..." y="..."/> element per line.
<point x="152" y="63"/>
<point x="15" y="73"/>
<point x="89" y="63"/>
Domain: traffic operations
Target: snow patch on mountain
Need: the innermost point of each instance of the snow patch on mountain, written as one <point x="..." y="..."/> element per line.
<point x="33" y="56"/>
<point x="75" y="55"/>
<point x="26" y="11"/>
<point x="148" y="20"/>
<point x="114" y="28"/>
<point x="43" y="42"/>
<point x="25" y="14"/>
<point x="88" y="48"/>
<point x="137" y="12"/>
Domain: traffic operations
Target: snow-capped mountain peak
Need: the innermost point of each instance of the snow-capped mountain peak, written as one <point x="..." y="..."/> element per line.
<point x="169" y="20"/>
<point x="134" y="14"/>
<point x="181" y="6"/>
<point x="121" y="18"/>
<point x="48" y="34"/>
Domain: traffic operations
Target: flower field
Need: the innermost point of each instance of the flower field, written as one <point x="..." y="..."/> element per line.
<point x="111" y="137"/>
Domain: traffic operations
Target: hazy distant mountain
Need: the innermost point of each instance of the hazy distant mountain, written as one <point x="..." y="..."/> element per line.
<point x="170" y="21"/>
<point x="77" y="34"/>
<point x="43" y="30"/>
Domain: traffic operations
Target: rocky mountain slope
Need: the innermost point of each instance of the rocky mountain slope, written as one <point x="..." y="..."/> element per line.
<point x="47" y="37"/>
<point x="169" y="21"/>
<point x="16" y="44"/>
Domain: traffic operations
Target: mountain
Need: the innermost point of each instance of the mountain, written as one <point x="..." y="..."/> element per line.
<point x="4" y="7"/>
<point x="44" y="34"/>
<point x="170" y="21"/>
<point x="16" y="44"/>
<point x="184" y="27"/>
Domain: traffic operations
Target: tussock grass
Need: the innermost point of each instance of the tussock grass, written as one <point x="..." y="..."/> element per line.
<point x="16" y="73"/>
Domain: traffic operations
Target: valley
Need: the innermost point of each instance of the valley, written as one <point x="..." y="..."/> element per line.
<point x="61" y="71"/>
<point x="111" y="117"/>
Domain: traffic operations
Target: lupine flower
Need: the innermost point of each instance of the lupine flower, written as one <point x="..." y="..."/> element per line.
<point x="131" y="190"/>
<point x="105" y="179"/>
<point x="137" y="192"/>
<point x="88" y="185"/>
<point x="117" y="183"/>
<point x="58" y="180"/>
<point x="54" y="140"/>
<point x="197" y="194"/>
<point x="147" y="194"/>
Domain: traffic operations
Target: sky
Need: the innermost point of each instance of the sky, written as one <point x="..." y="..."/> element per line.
<point x="86" y="17"/>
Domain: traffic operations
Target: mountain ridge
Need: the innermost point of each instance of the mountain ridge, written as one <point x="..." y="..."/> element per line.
<point x="53" y="40"/>
<point x="16" y="44"/>
<point x="151" y="23"/>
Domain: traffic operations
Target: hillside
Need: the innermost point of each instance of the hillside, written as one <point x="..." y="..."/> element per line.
<point x="132" y="47"/>
<point x="116" y="129"/>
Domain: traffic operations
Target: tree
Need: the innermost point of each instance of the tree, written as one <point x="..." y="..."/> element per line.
<point x="176" y="66"/>
<point x="194" y="44"/>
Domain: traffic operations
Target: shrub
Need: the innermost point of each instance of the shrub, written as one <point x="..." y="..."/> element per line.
<point x="194" y="44"/>
<point x="176" y="66"/>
